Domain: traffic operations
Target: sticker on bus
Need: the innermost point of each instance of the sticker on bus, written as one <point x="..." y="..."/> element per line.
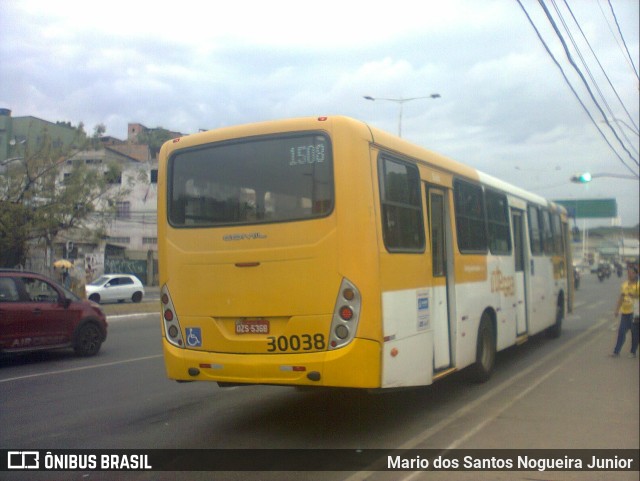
<point x="194" y="337"/>
<point x="424" y="314"/>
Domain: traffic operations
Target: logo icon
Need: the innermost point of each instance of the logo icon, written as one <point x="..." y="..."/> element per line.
<point x="23" y="460"/>
<point x="194" y="337"/>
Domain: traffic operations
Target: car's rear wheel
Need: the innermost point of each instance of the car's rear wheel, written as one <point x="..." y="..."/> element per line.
<point x="88" y="340"/>
<point x="137" y="296"/>
<point x="95" y="298"/>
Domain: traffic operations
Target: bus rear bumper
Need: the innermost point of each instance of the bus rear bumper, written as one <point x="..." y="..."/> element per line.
<point x="356" y="365"/>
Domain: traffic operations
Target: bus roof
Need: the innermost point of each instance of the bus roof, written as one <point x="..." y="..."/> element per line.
<point x="377" y="136"/>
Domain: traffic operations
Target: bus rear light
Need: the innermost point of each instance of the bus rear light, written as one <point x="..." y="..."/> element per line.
<point x="211" y="366"/>
<point x="342" y="331"/>
<point x="172" y="331"/>
<point x="346" y="313"/>
<point x="293" y="368"/>
<point x="345" y="316"/>
<point x="348" y="294"/>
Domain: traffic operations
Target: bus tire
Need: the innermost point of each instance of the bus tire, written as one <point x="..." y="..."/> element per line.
<point x="485" y="350"/>
<point x="554" y="331"/>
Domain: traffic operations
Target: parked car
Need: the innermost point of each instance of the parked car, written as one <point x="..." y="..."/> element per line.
<point x="115" y="287"/>
<point x="37" y="313"/>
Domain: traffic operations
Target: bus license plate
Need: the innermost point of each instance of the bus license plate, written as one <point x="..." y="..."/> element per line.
<point x="252" y="326"/>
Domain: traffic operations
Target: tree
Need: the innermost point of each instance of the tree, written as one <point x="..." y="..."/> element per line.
<point x="36" y="203"/>
<point x="154" y="138"/>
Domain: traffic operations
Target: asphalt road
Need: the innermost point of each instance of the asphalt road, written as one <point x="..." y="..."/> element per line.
<point x="564" y="393"/>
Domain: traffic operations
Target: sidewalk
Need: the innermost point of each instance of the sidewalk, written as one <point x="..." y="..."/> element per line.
<point x="585" y="400"/>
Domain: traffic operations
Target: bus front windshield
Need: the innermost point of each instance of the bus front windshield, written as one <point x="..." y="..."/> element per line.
<point x="251" y="181"/>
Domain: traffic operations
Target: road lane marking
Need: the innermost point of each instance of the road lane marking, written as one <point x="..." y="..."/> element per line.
<point x="84" y="368"/>
<point x="535" y="383"/>
<point x="124" y="317"/>
<point x="468" y="408"/>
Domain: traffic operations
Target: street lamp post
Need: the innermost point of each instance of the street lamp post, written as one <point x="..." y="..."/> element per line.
<point x="401" y="101"/>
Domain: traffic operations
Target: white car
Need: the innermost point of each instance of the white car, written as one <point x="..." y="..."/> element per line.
<point x="115" y="287"/>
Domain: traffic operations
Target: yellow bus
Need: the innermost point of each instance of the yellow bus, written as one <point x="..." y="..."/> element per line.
<point x="325" y="252"/>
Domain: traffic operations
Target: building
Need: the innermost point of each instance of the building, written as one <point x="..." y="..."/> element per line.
<point x="20" y="133"/>
<point x="608" y="244"/>
<point x="126" y="239"/>
<point x="121" y="237"/>
<point x="135" y="129"/>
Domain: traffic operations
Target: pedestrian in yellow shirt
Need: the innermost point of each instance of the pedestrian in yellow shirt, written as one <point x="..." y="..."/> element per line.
<point x="627" y="303"/>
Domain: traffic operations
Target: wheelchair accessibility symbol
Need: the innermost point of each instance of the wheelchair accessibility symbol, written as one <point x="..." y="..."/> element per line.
<point x="194" y="337"/>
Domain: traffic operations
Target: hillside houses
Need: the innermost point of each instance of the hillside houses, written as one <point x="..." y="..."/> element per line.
<point x="121" y="237"/>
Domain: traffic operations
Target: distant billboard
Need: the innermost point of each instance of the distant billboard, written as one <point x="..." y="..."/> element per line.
<point x="590" y="208"/>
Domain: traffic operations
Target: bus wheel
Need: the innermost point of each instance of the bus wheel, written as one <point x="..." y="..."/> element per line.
<point x="485" y="350"/>
<point x="554" y="331"/>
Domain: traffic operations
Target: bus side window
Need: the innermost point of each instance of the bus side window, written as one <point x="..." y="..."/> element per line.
<point x="498" y="217"/>
<point x="547" y="233"/>
<point x="535" y="236"/>
<point x="558" y="234"/>
<point x="400" y="196"/>
<point x="470" y="218"/>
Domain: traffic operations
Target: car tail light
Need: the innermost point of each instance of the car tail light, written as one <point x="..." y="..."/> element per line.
<point x="172" y="331"/>
<point x="345" y="315"/>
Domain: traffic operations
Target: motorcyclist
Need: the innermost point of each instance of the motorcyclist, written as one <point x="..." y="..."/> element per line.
<point x="604" y="271"/>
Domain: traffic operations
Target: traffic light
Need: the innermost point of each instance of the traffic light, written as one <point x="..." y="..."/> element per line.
<point x="582" y="178"/>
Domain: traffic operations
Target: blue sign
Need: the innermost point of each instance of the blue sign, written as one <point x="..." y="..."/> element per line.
<point x="194" y="337"/>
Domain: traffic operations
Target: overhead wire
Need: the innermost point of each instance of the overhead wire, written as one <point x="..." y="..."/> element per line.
<point x="615" y="37"/>
<point x="575" y="93"/>
<point x="615" y="18"/>
<point x="588" y="69"/>
<point x="637" y="130"/>
<point x="585" y="65"/>
<point x="586" y="84"/>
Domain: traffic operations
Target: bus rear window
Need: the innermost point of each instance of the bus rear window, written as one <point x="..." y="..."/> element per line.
<point x="267" y="179"/>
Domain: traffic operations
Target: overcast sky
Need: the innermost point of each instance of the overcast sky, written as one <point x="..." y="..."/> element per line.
<point x="505" y="107"/>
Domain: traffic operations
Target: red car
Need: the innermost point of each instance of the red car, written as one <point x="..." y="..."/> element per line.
<point x="37" y="313"/>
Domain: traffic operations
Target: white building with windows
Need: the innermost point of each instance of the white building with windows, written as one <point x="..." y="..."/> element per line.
<point x="125" y="237"/>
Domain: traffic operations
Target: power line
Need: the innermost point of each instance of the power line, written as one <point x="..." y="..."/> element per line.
<point x="584" y="81"/>
<point x="588" y="70"/>
<point x="615" y="37"/>
<point x="582" y="59"/>
<point x="602" y="68"/>
<point x="623" y="41"/>
<point x="553" y="58"/>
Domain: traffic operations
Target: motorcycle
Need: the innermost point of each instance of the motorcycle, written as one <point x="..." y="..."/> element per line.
<point x="604" y="272"/>
<point x="619" y="270"/>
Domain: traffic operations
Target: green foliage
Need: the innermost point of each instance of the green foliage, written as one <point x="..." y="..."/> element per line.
<point x="154" y="138"/>
<point x="37" y="202"/>
<point x="15" y="220"/>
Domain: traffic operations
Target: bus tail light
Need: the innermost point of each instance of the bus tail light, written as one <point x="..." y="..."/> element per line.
<point x="345" y="315"/>
<point x="172" y="330"/>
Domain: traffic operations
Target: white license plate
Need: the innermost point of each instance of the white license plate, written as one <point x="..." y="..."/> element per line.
<point x="252" y="326"/>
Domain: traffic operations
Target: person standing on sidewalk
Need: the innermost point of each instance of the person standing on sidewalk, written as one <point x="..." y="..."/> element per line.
<point x="627" y="302"/>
